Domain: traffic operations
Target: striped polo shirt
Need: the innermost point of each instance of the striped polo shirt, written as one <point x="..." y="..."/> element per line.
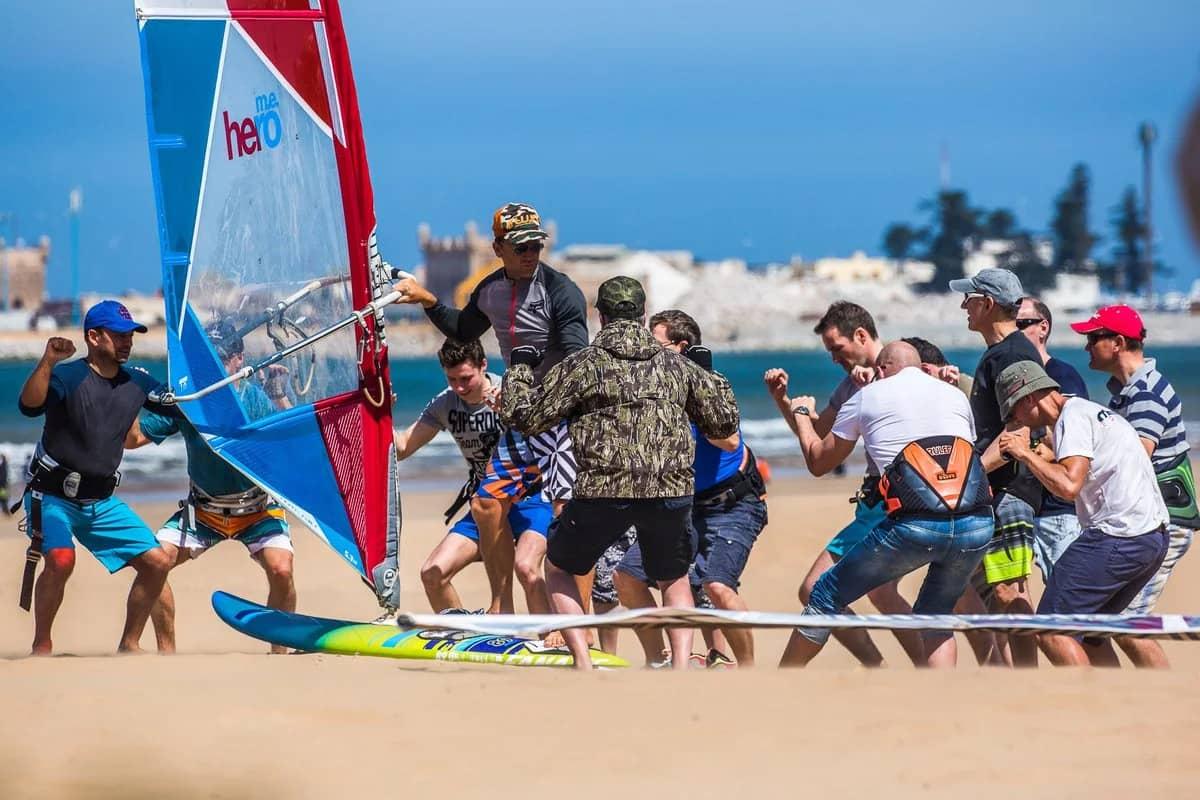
<point x="1150" y="404"/>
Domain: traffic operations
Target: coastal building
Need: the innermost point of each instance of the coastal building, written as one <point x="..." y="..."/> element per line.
<point x="991" y="253"/>
<point x="666" y="276"/>
<point x="23" y="276"/>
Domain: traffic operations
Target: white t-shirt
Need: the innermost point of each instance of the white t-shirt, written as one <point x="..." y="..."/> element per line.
<point x="891" y="413"/>
<point x="1120" y="495"/>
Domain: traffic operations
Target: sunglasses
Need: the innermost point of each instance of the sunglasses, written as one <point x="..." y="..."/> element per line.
<point x="522" y="249"/>
<point x="1028" y="322"/>
<point x="969" y="296"/>
<point x="1092" y="338"/>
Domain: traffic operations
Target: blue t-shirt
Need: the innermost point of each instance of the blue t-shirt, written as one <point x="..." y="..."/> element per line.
<point x="712" y="464"/>
<point x="1071" y="383"/>
<point x="206" y="469"/>
<point x="88" y="415"/>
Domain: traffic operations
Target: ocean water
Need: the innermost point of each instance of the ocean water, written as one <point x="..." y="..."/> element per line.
<point x="162" y="468"/>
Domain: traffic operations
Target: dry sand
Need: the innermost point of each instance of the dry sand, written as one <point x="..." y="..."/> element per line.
<point x="223" y="719"/>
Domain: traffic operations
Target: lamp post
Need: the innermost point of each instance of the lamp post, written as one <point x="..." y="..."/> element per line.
<point x="76" y="203"/>
<point x="1146" y="135"/>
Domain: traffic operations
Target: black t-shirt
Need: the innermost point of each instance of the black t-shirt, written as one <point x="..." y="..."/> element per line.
<point x="1010" y="478"/>
<point x="87" y="416"/>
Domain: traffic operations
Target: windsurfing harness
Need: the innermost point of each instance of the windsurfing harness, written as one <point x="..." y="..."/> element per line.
<point x="228" y="514"/>
<point x="936" y="476"/>
<point x="1178" y="488"/>
<point x="47" y="477"/>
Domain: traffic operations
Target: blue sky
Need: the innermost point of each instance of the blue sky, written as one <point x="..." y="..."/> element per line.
<point x="754" y="129"/>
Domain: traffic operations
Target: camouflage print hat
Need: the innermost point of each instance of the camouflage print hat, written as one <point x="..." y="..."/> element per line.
<point x="621" y="297"/>
<point x="517" y="223"/>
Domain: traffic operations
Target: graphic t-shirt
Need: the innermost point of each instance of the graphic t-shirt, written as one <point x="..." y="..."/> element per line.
<point x="475" y="427"/>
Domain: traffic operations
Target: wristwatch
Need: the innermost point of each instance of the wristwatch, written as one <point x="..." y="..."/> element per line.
<point x="802" y="410"/>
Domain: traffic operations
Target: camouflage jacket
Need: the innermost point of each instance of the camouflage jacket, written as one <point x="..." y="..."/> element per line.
<point x="628" y="402"/>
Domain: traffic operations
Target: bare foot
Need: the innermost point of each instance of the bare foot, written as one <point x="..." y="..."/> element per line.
<point x="554" y="639"/>
<point x="45" y="648"/>
<point x="127" y="650"/>
<point x="278" y="650"/>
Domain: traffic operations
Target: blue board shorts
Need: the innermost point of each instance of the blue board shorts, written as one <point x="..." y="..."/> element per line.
<point x="271" y="531"/>
<point x="866" y="519"/>
<point x="107" y="528"/>
<point x="532" y="514"/>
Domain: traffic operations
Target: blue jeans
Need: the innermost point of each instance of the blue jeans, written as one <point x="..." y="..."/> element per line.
<point x="952" y="548"/>
<point x="1052" y="535"/>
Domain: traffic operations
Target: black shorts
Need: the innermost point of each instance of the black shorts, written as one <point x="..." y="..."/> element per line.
<point x="587" y="526"/>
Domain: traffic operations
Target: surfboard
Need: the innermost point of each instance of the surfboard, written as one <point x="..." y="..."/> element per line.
<point x="343" y="637"/>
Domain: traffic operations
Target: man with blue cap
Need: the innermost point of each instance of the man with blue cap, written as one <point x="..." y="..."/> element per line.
<point x="89" y="404"/>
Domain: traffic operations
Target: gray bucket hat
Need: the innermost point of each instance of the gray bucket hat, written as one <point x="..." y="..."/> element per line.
<point x="1020" y="380"/>
<point x="1001" y="285"/>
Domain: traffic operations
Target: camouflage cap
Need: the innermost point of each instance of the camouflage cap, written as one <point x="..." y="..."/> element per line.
<point x="517" y="223"/>
<point x="621" y="297"/>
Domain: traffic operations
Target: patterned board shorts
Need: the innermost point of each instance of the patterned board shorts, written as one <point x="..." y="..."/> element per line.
<point x="521" y="463"/>
<point x="603" y="590"/>
<point x="1010" y="555"/>
<point x="1178" y="544"/>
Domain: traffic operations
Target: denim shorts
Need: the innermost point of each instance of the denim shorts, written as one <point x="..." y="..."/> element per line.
<point x="1102" y="574"/>
<point x="951" y="547"/>
<point x="725" y="538"/>
<point x="1052" y="535"/>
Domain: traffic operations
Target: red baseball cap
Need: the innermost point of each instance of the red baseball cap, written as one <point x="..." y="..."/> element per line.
<point x="1117" y="319"/>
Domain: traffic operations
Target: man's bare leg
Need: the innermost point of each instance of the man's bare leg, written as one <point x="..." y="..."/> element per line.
<point x="1012" y="597"/>
<point x="162" y="613"/>
<point x="856" y="640"/>
<point x="799" y="651"/>
<point x="530" y="557"/>
<point x="48" y="596"/>
<point x="888" y="600"/>
<point x="281" y="585"/>
<point x="678" y="594"/>
<point x="564" y="599"/>
<point x="608" y="636"/>
<point x="983" y="643"/>
<point x="1102" y="654"/>
<point x="1063" y="651"/>
<point x="152" y="567"/>
<point x="741" y="641"/>
<point x="943" y="651"/>
<point x="496" y="545"/>
<point x="449" y="558"/>
<point x="635" y="594"/>
<point x="1144" y="653"/>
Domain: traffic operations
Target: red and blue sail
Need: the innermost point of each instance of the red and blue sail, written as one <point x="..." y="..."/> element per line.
<point x="266" y="221"/>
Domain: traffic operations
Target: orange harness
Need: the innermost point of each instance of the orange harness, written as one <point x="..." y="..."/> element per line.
<point x="938" y="476"/>
<point x="230" y="526"/>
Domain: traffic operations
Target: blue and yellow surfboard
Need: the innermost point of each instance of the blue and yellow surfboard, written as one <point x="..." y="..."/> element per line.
<point x="341" y="637"/>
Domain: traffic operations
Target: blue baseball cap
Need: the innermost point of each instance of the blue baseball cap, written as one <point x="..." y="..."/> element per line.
<point x="112" y="316"/>
<point x="1001" y="285"/>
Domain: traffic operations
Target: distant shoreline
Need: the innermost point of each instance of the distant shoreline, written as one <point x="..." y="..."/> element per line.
<point x="947" y="329"/>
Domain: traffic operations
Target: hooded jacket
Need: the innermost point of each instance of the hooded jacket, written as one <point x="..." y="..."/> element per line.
<point x="628" y="402"/>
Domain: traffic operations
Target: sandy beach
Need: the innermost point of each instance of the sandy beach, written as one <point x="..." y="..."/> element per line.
<point x="224" y="720"/>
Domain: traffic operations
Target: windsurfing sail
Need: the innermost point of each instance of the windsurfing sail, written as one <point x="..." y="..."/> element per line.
<point x="267" y="228"/>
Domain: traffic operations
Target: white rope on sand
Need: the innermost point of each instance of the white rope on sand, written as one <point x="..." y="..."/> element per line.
<point x="1169" y="626"/>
